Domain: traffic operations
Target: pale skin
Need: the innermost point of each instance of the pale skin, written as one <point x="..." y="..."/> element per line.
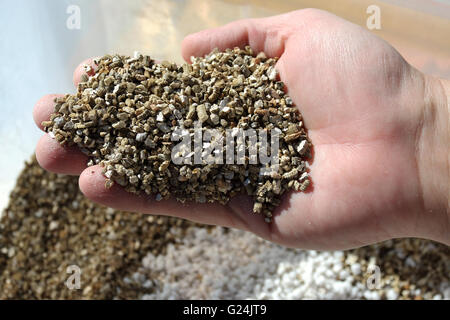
<point x="380" y="130"/>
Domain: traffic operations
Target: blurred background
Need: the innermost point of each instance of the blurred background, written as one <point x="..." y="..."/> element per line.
<point x="41" y="44"/>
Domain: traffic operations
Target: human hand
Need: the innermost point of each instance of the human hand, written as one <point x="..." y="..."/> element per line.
<point x="372" y="118"/>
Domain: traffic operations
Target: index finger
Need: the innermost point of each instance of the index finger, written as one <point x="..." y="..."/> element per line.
<point x="265" y="34"/>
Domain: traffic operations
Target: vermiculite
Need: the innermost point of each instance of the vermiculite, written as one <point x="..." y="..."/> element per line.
<point x="200" y="132"/>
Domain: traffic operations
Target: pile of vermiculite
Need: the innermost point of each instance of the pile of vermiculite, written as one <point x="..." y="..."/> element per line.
<point x="133" y="112"/>
<point x="49" y="226"/>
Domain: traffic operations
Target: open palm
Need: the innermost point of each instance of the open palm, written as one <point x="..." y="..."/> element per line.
<point x="360" y="103"/>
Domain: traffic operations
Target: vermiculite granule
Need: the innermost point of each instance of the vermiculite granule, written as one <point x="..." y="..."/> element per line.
<point x="203" y="132"/>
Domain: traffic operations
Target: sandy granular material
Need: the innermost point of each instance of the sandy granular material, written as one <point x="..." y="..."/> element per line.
<point x="233" y="264"/>
<point x="49" y="225"/>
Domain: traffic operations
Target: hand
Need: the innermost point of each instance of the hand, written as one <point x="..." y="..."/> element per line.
<point x="368" y="115"/>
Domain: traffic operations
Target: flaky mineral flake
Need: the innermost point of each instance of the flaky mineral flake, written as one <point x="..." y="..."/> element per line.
<point x="128" y="115"/>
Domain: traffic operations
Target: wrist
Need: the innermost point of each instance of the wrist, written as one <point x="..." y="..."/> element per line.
<point x="432" y="152"/>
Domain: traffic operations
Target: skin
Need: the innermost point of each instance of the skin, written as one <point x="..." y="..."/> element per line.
<point x="380" y="130"/>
